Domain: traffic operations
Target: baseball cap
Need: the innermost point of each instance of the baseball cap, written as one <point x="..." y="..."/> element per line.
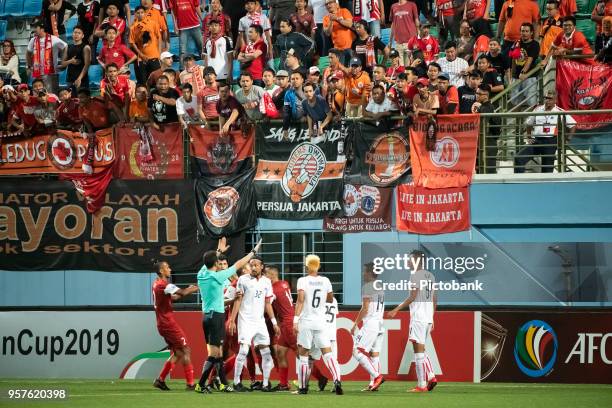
<point x="336" y="75"/>
<point x="393" y="54"/>
<point x="355" y="61"/>
<point x="444" y="75"/>
<point x="22" y="87"/>
<point x="166" y="54"/>
<point x="314" y="70"/>
<point x="189" y="56"/>
<point x="423" y="81"/>
<point x="282" y="73"/>
<point x="425" y="24"/>
<point x="8" y="88"/>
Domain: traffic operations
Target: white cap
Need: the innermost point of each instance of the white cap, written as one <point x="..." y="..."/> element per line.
<point x="8" y="87"/>
<point x="166" y="54"/>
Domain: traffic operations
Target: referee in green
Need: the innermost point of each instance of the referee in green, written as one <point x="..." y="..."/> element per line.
<point x="211" y="280"/>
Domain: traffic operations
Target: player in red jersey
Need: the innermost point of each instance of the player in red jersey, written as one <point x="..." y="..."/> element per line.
<point x="164" y="293"/>
<point x="284" y="312"/>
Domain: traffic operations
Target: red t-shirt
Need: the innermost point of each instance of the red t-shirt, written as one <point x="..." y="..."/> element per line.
<point x="68" y="113"/>
<point x="402" y="17"/>
<point x="429" y="46"/>
<point x="303" y="24"/>
<point x="25" y="112"/>
<point x="445" y="7"/>
<point x="163" y="305"/>
<point x="575" y="42"/>
<point x="394" y="72"/>
<point x="283" y="302"/>
<point x="120" y="25"/>
<point x="185" y="13"/>
<point x="121" y="88"/>
<point x="210" y="97"/>
<point x="257" y="65"/>
<point x="476" y="9"/>
<point x="96" y="113"/>
<point x="118" y="54"/>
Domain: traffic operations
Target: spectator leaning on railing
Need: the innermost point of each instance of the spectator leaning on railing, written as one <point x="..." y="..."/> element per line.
<point x="542" y="135"/>
<point x="569" y="42"/>
<point x="250" y="96"/>
<point x="448" y="96"/>
<point x="188" y="107"/>
<point x="318" y="113"/>
<point x="232" y="115"/>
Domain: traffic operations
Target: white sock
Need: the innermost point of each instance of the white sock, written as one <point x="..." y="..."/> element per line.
<point x="267" y="363"/>
<point x="366" y="363"/>
<point x="376" y="363"/>
<point x="332" y="365"/>
<point x="420" y="369"/>
<point x="240" y="362"/>
<point x="303" y="372"/>
<point x="429" y="369"/>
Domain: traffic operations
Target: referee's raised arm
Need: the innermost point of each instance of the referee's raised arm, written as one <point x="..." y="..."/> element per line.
<point x="245" y="259"/>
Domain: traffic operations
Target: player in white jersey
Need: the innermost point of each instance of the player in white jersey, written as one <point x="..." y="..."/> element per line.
<point x="309" y="324"/>
<point x="331" y="315"/>
<point x="254" y="297"/>
<point x="367" y="341"/>
<point x="422" y="302"/>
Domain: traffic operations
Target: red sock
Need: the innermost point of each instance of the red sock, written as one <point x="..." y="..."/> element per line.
<point x="188" y="373"/>
<point x="229" y="364"/>
<point x="283" y="375"/>
<point x="168" y="366"/>
<point x="316" y="373"/>
<point x="251" y="366"/>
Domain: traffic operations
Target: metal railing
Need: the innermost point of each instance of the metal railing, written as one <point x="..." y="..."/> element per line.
<point x="513" y="99"/>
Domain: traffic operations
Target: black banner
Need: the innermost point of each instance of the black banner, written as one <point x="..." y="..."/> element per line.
<point x="381" y="157"/>
<point x="225" y="206"/>
<point x="297" y="179"/>
<point x="44" y="226"/>
<point x="215" y="155"/>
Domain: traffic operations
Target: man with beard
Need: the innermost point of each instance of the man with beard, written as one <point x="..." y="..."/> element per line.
<point x="162" y="103"/>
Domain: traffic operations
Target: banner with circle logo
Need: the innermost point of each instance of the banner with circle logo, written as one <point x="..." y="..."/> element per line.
<point x="298" y="179"/>
<point x="366" y="209"/>
<point x="225" y="206"/>
<point x="159" y="157"/>
<point x="381" y="158"/>
<point x="59" y="153"/>
<point x="452" y="162"/>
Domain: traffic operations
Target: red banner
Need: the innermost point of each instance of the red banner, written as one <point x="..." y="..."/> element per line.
<point x="432" y="211"/>
<point x="217" y="155"/>
<point x="452" y="162"/>
<point x="583" y="86"/>
<point x="93" y="188"/>
<point x="60" y="153"/>
<point x="166" y="146"/>
<point x="366" y="209"/>
<point x="450" y="347"/>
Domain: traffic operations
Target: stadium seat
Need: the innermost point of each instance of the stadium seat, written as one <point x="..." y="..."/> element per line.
<point x="62" y="78"/>
<point x="70" y="24"/>
<point x="3" y="24"/>
<point x="14" y="8"/>
<point x="236" y="69"/>
<point x="2" y="7"/>
<point x="95" y="75"/>
<point x="31" y="8"/>
<point x="134" y="4"/>
<point x="170" y="22"/>
<point x="174" y="46"/>
<point x="587" y="27"/>
<point x="385" y="35"/>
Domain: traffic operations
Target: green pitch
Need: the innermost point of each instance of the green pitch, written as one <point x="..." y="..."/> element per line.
<point x="135" y="394"/>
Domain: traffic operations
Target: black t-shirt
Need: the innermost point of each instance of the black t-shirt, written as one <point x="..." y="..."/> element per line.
<point x="493" y="78"/>
<point x="359" y="46"/>
<point x="46" y="15"/>
<point x="119" y="3"/>
<point x="501" y="63"/>
<point x="161" y="112"/>
<point x="88" y="17"/>
<point x="528" y="49"/>
<point x="467" y="97"/>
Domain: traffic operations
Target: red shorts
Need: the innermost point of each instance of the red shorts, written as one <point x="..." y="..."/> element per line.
<point x="287" y="337"/>
<point x="174" y="336"/>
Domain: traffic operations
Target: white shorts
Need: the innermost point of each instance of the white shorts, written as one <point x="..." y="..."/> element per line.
<point x="310" y="338"/>
<point x="419" y="331"/>
<point x="257" y="333"/>
<point x="316" y="354"/>
<point x="369" y="339"/>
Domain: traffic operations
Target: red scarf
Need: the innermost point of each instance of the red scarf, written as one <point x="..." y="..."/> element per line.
<point x="48" y="59"/>
<point x="213" y="44"/>
<point x="370" y="52"/>
<point x="89" y="15"/>
<point x="197" y="79"/>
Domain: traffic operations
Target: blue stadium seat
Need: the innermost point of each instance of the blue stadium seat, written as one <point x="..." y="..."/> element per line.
<point x="14" y="8"/>
<point x="62" y="78"/>
<point x="385" y="35"/>
<point x="31" y="8"/>
<point x="170" y="22"/>
<point x="134" y="4"/>
<point x="95" y="75"/>
<point x="3" y="24"/>
<point x="2" y="7"/>
<point x="174" y="46"/>
<point x="236" y="69"/>
<point x="70" y="24"/>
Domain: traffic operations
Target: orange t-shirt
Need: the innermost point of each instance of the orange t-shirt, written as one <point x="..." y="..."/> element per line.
<point x="481" y="46"/>
<point x="567" y="8"/>
<point x="549" y="35"/>
<point x="157" y="16"/>
<point x="451" y="96"/>
<point x="356" y="87"/>
<point x="151" y="48"/>
<point x="576" y="42"/>
<point x="525" y="11"/>
<point x="607" y="12"/>
<point x="342" y="37"/>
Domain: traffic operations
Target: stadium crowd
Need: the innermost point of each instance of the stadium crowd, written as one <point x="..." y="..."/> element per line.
<point x="312" y="61"/>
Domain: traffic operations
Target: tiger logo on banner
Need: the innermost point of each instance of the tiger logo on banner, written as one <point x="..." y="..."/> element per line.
<point x="221" y="205"/>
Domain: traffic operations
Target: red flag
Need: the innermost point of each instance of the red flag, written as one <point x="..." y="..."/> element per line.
<point x="93" y="187"/>
<point x="583" y="86"/>
<point x="452" y="162"/>
<point x="432" y="211"/>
